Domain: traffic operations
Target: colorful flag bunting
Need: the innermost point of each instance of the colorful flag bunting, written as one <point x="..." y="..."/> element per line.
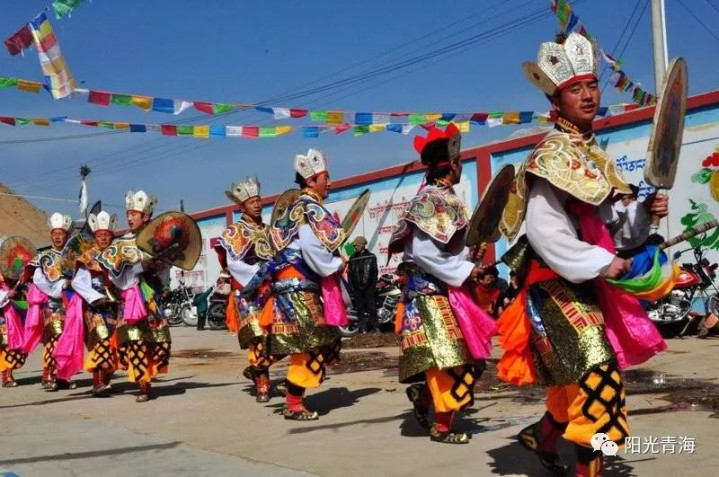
<point x="59" y="80"/>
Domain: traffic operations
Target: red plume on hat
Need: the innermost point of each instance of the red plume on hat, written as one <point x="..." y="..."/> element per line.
<point x="438" y="145"/>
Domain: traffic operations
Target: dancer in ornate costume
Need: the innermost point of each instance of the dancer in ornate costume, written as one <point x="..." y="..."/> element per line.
<point x="142" y="333"/>
<point x="92" y="283"/>
<point x="445" y="336"/>
<point x="303" y="311"/>
<point x="12" y="356"/>
<point x="241" y="249"/>
<point x="47" y="297"/>
<point x="568" y="329"/>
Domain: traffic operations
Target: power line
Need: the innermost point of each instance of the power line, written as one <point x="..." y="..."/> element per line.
<point x="629" y="39"/>
<point x="699" y="20"/>
<point x="626" y="26"/>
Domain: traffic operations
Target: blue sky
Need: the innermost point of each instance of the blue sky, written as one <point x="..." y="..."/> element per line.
<point x="240" y="51"/>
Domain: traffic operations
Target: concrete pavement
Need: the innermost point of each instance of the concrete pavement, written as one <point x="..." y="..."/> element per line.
<point x="205" y="422"/>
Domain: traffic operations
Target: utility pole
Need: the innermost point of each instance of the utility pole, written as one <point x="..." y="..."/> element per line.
<point x="659" y="42"/>
<point x="661" y="57"/>
<point x="182" y="205"/>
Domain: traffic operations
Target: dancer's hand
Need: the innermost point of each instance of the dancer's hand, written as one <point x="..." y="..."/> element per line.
<point x="617" y="268"/>
<point x="659" y="205"/>
<point x="477" y="271"/>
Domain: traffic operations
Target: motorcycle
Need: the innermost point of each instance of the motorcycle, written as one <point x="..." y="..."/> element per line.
<point x="388" y="296"/>
<point x="673" y="313"/>
<point x="216" y="312"/>
<point x="179" y="308"/>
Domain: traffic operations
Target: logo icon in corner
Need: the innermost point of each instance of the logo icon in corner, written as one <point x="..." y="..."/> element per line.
<point x="601" y="442"/>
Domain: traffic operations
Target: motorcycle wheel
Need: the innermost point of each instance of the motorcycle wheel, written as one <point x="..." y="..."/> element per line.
<point x="712" y="304"/>
<point x="352" y="328"/>
<point x="172" y="315"/>
<point x="188" y="314"/>
<point x="216" y="316"/>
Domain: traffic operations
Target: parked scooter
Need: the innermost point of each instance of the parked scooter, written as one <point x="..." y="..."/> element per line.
<point x="673" y="313"/>
<point x="388" y="296"/>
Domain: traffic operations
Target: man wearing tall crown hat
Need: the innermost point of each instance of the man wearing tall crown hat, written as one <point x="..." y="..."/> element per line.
<point x="568" y="329"/>
<point x="242" y="248"/>
<point x="142" y="333"/>
<point x="47" y="297"/>
<point x="302" y="313"/>
<point x="92" y="282"/>
<point x="12" y="356"/>
<point x="445" y="337"/>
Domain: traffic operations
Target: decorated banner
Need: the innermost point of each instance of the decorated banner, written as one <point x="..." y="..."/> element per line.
<point x="59" y="80"/>
<point x="569" y="21"/>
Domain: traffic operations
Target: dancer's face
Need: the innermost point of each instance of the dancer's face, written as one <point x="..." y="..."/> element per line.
<point x="578" y="103"/>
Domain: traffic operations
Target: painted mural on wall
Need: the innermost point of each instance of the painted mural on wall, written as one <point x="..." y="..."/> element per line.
<point x="701" y="211"/>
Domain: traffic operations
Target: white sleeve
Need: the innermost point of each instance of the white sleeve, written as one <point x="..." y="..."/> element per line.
<point x="452" y="269"/>
<point x="129" y="277"/>
<point x="4" y="298"/>
<point x="241" y="271"/>
<point x="640" y="221"/>
<point x="51" y="289"/>
<point x="553" y="237"/>
<point x="82" y="284"/>
<point x="317" y="257"/>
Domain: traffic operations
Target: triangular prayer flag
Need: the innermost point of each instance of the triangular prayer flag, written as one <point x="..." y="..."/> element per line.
<point x="298" y="113"/>
<point x="138" y="128"/>
<point x="377" y="127"/>
<point x="342" y="128"/>
<point x="180" y="106"/>
<point x="360" y="129"/>
<point x="510" y="118"/>
<point x="526" y="117"/>
<point x="480" y="118"/>
<point x="416" y="119"/>
<point x="64" y="7"/>
<point x="7" y="120"/>
<point x="394" y="128"/>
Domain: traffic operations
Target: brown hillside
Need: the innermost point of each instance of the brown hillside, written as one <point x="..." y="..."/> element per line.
<point x="20" y="217"/>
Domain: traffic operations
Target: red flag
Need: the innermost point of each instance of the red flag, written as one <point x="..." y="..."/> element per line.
<point x="250" y="131"/>
<point x="99" y="97"/>
<point x="204" y="107"/>
<point x="20" y="40"/>
<point x="298" y="113"/>
<point x="5" y="120"/>
<point x="169" y="130"/>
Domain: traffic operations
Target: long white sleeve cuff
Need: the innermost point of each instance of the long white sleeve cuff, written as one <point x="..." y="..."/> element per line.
<point x="450" y="268"/>
<point x="82" y="284"/>
<point x="315" y="254"/>
<point x="241" y="271"/>
<point x="553" y="237"/>
<point x="51" y="289"/>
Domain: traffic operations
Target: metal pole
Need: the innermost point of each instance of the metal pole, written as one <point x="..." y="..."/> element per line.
<point x="661" y="57"/>
<point x="659" y="43"/>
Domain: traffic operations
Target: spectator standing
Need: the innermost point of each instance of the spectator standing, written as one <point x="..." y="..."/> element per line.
<point x="363" y="280"/>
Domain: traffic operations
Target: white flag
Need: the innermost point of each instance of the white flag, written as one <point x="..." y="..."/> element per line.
<point x="83" y="197"/>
